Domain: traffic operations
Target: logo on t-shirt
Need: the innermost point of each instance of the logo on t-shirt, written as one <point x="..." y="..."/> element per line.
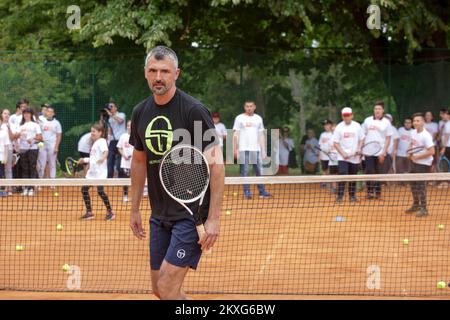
<point x="159" y="135"/>
<point x="348" y="135"/>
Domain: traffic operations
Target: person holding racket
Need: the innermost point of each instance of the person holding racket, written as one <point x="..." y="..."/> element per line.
<point x="326" y="148"/>
<point x="347" y="139"/>
<point x="377" y="139"/>
<point x="156" y="126"/>
<point x="445" y="146"/>
<point x="422" y="160"/>
<point x="51" y="134"/>
<point x="402" y="162"/>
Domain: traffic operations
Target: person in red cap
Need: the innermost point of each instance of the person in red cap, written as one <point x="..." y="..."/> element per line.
<point x="347" y="139"/>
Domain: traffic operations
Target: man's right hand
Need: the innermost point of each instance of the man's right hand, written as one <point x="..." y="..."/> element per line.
<point x="136" y="225"/>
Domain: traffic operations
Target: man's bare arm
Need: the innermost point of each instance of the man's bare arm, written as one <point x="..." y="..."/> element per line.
<point x="138" y="175"/>
<point x="212" y="224"/>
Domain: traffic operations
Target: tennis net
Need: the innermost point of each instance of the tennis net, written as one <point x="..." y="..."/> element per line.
<point x="299" y="241"/>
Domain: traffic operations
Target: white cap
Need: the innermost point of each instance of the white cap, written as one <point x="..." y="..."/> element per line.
<point x="347" y="111"/>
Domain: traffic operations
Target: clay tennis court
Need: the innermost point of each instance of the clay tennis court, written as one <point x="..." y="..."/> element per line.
<point x="299" y="244"/>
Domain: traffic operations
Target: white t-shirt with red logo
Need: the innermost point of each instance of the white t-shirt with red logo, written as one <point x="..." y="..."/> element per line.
<point x="97" y="171"/>
<point x="422" y="139"/>
<point x="432" y="128"/>
<point x="249" y="128"/>
<point x="404" y="142"/>
<point x="446" y="131"/>
<point x="376" y="130"/>
<point x="50" y="130"/>
<point x="127" y="149"/>
<point x="348" y="138"/>
<point x="325" y="144"/>
<point x="28" y="131"/>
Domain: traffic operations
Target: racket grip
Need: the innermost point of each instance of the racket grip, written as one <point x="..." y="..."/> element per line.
<point x="201" y="233"/>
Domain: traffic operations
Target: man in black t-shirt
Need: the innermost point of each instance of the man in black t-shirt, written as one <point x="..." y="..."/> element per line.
<point x="158" y="123"/>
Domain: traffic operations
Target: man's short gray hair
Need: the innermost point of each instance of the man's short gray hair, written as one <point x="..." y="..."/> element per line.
<point x="161" y="53"/>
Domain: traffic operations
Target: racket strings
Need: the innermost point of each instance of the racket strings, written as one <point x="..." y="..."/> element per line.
<point x="184" y="173"/>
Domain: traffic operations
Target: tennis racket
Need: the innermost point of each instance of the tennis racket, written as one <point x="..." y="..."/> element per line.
<point x="71" y="166"/>
<point x="415" y="150"/>
<point x="184" y="175"/>
<point x="370" y="149"/>
<point x="15" y="159"/>
<point x="443" y="164"/>
<point x="331" y="155"/>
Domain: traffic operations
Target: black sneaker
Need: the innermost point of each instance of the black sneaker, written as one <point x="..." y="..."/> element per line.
<point x="338" y="199"/>
<point x="422" y="212"/>
<point x="110" y="216"/>
<point x="369" y="196"/>
<point x="353" y="199"/>
<point x="87" y="216"/>
<point x="413" y="209"/>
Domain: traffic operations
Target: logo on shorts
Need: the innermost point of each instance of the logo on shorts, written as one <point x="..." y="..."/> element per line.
<point x="181" y="254"/>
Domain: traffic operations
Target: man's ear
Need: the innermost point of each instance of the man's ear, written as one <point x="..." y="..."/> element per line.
<point x="177" y="73"/>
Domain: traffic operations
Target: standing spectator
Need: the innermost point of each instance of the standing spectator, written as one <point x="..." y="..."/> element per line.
<point x="51" y="134"/>
<point x="376" y="129"/>
<point x="421" y="163"/>
<point x="84" y="149"/>
<point x="16" y="118"/>
<point x="29" y="135"/>
<point x="302" y="151"/>
<point x="286" y="146"/>
<point x="221" y="130"/>
<point x="42" y="116"/>
<point x="402" y="162"/>
<point x="126" y="151"/>
<point x="311" y="156"/>
<point x="4" y="152"/>
<point x="445" y="146"/>
<point x="387" y="166"/>
<point x="444" y="114"/>
<point x="326" y="145"/>
<point x="433" y="128"/>
<point x="117" y="127"/>
<point x="347" y="139"/>
<point x="5" y="126"/>
<point x="249" y="141"/>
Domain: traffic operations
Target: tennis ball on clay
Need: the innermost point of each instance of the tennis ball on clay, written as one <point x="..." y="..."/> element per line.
<point x="405" y="241"/>
<point x="441" y="227"/>
<point x="441" y="285"/>
<point x="56" y="194"/>
<point x="228" y="212"/>
<point x="40" y="145"/>
<point x="66" y="268"/>
<point x="59" y="227"/>
<point x="19" y="247"/>
<point x="235" y="194"/>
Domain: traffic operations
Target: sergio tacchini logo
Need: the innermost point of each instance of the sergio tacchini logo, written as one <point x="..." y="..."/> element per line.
<point x="159" y="136"/>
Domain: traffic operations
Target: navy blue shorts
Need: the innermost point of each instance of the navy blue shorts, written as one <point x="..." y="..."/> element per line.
<point x="175" y="242"/>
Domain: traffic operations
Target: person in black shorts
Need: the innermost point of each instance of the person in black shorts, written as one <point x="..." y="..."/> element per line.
<point x="156" y="126"/>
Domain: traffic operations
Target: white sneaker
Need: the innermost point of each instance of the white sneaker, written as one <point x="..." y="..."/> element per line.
<point x="30" y="192"/>
<point x="125" y="198"/>
<point x="145" y="194"/>
<point x="25" y="192"/>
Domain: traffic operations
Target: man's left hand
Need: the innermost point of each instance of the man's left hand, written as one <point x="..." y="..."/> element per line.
<point x="212" y="227"/>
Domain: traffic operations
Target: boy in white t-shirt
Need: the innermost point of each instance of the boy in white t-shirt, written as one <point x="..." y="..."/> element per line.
<point x="126" y="151"/>
<point x="249" y="146"/>
<point x="421" y="163"/>
<point x="402" y="162"/>
<point x="348" y="137"/>
<point x="98" y="169"/>
<point x="51" y="134"/>
<point x="376" y="129"/>
<point x="4" y="149"/>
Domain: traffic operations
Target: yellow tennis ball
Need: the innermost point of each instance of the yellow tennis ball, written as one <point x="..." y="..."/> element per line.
<point x="40" y="144"/>
<point x="441" y="285"/>
<point x="235" y="194"/>
<point x="19" y="247"/>
<point x="405" y="241"/>
<point x="441" y="227"/>
<point x="66" y="268"/>
<point x="56" y="194"/>
<point x="228" y="212"/>
<point x="59" y="227"/>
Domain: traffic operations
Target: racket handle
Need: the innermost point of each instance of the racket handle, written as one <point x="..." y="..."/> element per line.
<point x="201" y="233"/>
